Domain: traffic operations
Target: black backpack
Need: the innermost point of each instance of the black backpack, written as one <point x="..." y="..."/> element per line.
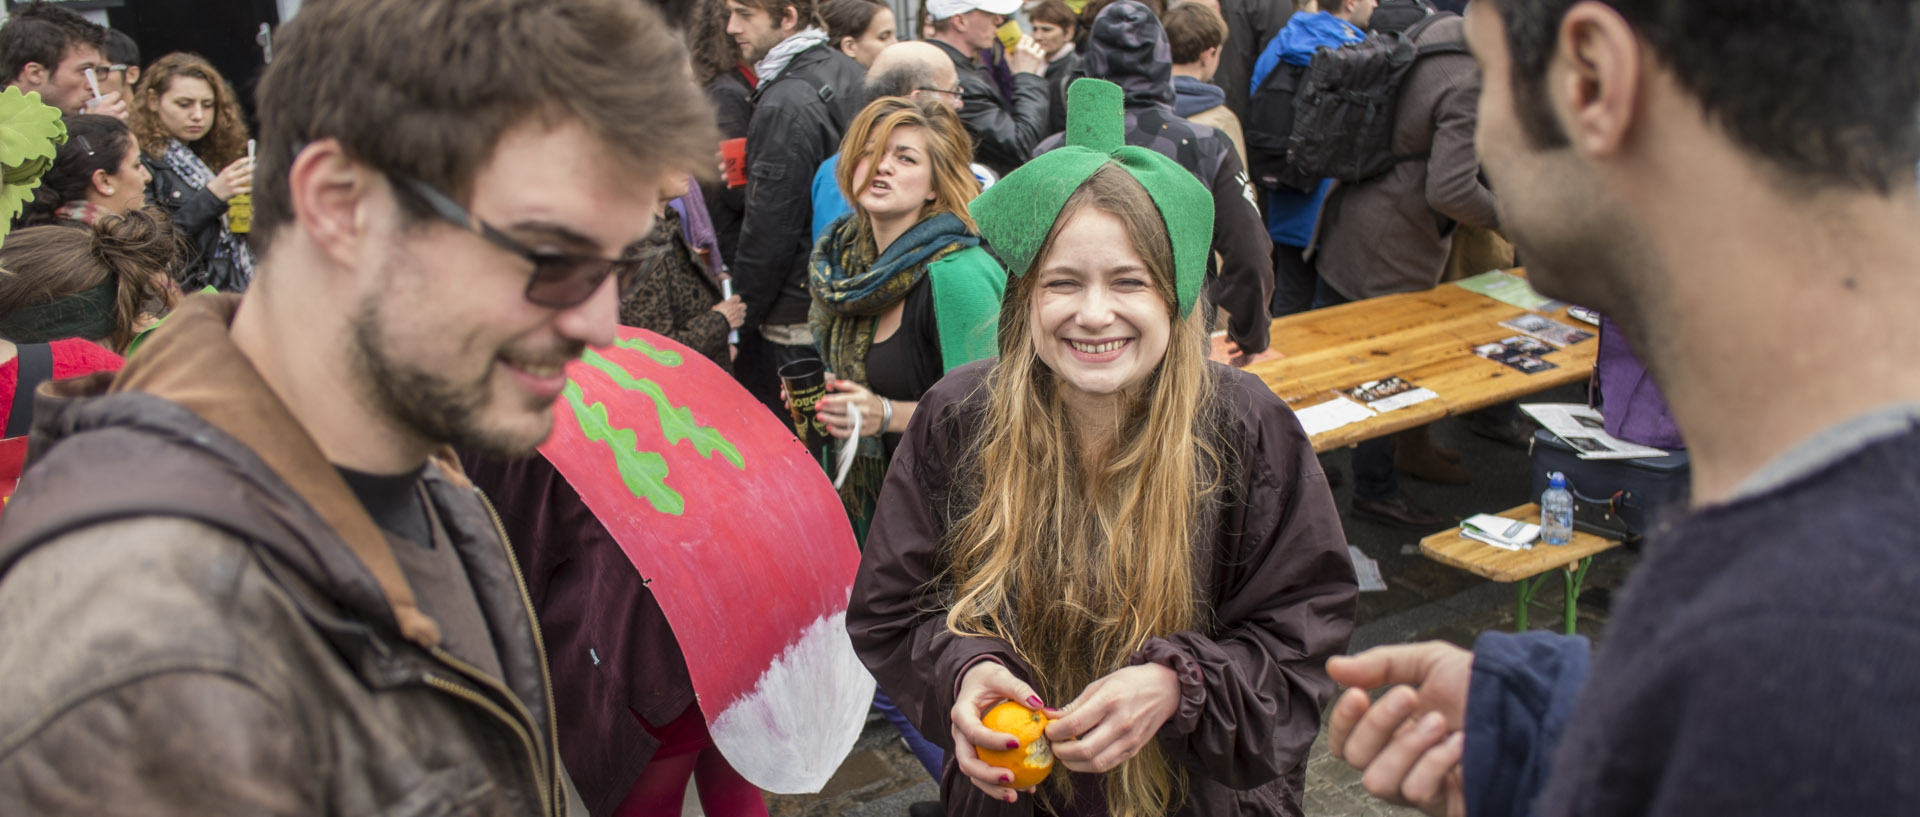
<point x="1343" y="110"/>
<point x="1269" y="131"/>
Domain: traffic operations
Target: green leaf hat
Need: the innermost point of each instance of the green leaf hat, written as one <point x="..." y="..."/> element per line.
<point x="1016" y="214"/>
<point x="31" y="134"/>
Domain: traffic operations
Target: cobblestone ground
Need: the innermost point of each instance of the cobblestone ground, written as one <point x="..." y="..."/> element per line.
<point x="1423" y="601"/>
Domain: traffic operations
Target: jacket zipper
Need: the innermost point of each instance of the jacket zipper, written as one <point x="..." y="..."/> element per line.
<point x="540" y="652"/>
<point x="526" y="738"/>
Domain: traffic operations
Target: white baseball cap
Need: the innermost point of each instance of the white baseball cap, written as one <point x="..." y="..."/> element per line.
<point x="942" y="9"/>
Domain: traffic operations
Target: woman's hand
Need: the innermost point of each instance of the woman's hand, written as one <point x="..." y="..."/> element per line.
<point x="846" y="397"/>
<point x="236" y="180"/>
<point x="1113" y="717"/>
<point x="984" y="686"/>
<point x="734" y="309"/>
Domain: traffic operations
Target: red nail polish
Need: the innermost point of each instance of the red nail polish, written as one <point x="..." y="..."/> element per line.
<point x="1013" y="744"/>
<point x="1033" y="702"/>
<point x="1006" y="778"/>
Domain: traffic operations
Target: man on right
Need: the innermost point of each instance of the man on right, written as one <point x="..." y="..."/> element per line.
<point x="1755" y="228"/>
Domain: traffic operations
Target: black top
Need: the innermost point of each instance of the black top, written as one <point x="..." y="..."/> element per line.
<point x="905" y="365"/>
<point x="394" y="501"/>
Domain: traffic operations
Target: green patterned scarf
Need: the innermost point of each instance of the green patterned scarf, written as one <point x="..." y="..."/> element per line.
<point x="851" y="288"/>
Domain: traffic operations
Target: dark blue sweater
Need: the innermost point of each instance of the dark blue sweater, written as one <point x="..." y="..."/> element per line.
<point x="1763" y="660"/>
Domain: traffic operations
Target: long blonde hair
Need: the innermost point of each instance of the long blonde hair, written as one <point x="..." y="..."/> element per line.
<point x="1078" y="563"/>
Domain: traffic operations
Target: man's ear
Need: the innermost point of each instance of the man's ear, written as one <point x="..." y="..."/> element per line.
<point x="132" y="78"/>
<point x="31" y="77"/>
<point x="1595" y="79"/>
<point x="330" y="194"/>
<point x="790" y="20"/>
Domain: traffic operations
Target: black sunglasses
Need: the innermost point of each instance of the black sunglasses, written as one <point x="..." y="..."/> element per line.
<point x="560" y="279"/>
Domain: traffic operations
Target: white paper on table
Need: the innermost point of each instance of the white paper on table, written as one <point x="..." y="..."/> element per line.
<point x="1402" y="400"/>
<point x="1367" y="569"/>
<point x="1331" y="415"/>
<point x="1486" y="527"/>
<point x="1582" y="428"/>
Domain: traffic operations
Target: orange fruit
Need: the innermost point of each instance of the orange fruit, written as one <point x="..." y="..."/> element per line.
<point x="1034" y="759"/>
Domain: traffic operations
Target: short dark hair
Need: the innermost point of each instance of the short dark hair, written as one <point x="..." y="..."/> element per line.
<point x="426" y="88"/>
<point x="1192" y="28"/>
<point x="44" y="33"/>
<point x="1824" y="91"/>
<point x="900" y="80"/>
<point x="848" y="18"/>
<point x="121" y="49"/>
<point x="1055" y="12"/>
<point x="807" y="12"/>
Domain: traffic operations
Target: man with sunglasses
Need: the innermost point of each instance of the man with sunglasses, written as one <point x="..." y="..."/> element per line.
<point x="247" y="576"/>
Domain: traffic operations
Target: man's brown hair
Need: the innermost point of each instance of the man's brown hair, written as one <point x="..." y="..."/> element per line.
<point x="1193" y="28"/>
<point x="426" y="88"/>
<point x="806" y="11"/>
<point x="1056" y="13"/>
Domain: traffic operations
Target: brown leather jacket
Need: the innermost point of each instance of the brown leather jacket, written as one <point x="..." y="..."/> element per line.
<point x="198" y="617"/>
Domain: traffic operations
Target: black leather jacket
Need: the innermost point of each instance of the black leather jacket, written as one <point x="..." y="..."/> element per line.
<point x="1004" y="131"/>
<point x="798" y="120"/>
<point x="196" y="213"/>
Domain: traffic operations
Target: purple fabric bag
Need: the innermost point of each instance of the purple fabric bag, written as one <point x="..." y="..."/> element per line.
<point x="696" y="226"/>
<point x="1630" y="403"/>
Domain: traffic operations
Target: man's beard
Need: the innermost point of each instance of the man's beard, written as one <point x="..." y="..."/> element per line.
<point x="431" y="405"/>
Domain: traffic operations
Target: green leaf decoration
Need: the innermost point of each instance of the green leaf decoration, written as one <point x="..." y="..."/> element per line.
<point x="30" y="134"/>
<point x="676" y="422"/>
<point x="664" y="357"/>
<point x="29" y="129"/>
<point x="643" y="472"/>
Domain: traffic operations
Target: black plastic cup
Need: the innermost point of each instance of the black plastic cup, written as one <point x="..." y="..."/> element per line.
<point x="806" y="381"/>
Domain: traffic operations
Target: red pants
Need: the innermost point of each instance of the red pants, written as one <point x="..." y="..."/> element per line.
<point x="687" y="752"/>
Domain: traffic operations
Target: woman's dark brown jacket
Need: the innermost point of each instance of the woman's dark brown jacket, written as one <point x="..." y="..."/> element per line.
<point x="1275" y="576"/>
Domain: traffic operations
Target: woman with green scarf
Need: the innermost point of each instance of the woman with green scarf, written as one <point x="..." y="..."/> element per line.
<point x="902" y="290"/>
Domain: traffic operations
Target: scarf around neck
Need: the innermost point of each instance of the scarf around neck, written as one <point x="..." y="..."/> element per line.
<point x="81" y="210"/>
<point x="774" y="64"/>
<point x="852" y="287"/>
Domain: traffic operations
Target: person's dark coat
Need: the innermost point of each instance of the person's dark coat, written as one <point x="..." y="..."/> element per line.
<point x="672" y="294"/>
<point x="1392" y="233"/>
<point x="1060" y="73"/>
<point x="1128" y="47"/>
<point x="727" y="206"/>
<point x="196" y="213"/>
<point x="1274" y="572"/>
<point x="612" y="653"/>
<point x="798" y="120"/>
<point x="1004" y="130"/>
<point x="1250" y="24"/>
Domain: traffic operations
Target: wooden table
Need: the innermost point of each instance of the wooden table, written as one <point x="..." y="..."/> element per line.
<point x="1527" y="568"/>
<point x="1426" y="338"/>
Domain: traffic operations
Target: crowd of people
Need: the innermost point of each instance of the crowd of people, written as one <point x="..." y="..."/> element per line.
<point x="287" y="544"/>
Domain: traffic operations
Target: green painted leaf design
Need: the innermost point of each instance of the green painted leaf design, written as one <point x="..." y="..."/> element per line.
<point x="643" y="472"/>
<point x="676" y="422"/>
<point x="664" y="357"/>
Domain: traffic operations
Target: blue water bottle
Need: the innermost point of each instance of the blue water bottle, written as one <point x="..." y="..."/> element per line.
<point x="1556" y="511"/>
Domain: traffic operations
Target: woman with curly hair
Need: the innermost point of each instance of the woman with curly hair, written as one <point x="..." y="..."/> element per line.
<point x="1102" y="521"/>
<point x="729" y="84"/>
<point x="188" y="122"/>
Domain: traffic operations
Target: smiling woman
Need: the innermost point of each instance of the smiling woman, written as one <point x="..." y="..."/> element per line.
<point x="1102" y="519"/>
